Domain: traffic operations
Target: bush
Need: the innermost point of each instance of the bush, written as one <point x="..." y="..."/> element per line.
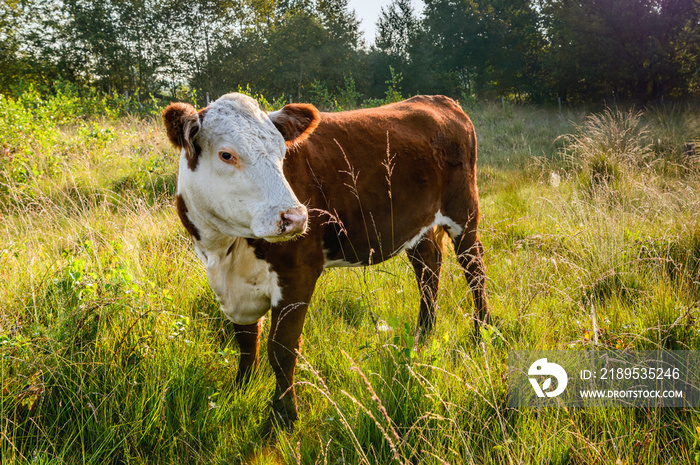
<point x="607" y="145"/>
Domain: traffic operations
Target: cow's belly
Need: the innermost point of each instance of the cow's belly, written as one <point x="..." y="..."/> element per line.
<point x="340" y="251"/>
<point x="244" y="284"/>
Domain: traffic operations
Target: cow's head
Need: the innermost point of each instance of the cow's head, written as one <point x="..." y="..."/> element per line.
<point x="231" y="165"/>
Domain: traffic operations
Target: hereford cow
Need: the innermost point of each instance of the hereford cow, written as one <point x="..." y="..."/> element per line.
<point x="271" y="199"/>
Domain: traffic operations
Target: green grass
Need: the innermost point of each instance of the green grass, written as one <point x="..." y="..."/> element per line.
<point x="113" y="349"/>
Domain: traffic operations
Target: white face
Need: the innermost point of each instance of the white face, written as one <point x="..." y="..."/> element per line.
<point x="238" y="187"/>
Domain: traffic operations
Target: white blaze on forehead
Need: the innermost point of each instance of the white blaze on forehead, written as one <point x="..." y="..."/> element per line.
<point x="237" y="120"/>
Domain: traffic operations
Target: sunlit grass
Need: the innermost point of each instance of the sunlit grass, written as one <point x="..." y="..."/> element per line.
<point x="113" y="349"/>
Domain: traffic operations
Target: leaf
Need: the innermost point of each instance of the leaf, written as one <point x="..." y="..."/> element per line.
<point x="547" y="383"/>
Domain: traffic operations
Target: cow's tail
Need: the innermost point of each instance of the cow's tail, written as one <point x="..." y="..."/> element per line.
<point x="442" y="239"/>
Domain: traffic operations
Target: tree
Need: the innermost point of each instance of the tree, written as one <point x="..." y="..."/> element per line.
<point x="113" y="44"/>
<point x="203" y="26"/>
<point x="10" y="64"/>
<point x="487" y="47"/>
<point x="396" y="27"/>
<point x="340" y="56"/>
<point x="513" y="41"/>
<point x="623" y="49"/>
<point x="294" y="53"/>
<point x="302" y="43"/>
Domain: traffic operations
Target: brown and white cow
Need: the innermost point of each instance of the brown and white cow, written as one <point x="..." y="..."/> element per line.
<point x="272" y="199"/>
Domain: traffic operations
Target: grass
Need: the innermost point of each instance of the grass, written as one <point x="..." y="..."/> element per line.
<point x="113" y="349"/>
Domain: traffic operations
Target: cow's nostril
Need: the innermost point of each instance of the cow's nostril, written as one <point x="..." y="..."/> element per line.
<point x="293" y="221"/>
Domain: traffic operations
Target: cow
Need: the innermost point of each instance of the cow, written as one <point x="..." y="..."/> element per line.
<point x="272" y="199"/>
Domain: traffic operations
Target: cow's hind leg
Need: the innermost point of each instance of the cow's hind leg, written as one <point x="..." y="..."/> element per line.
<point x="470" y="254"/>
<point x="248" y="337"/>
<point x="426" y="258"/>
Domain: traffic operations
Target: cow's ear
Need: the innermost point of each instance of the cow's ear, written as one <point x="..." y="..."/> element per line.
<point x="182" y="123"/>
<point x="296" y="122"/>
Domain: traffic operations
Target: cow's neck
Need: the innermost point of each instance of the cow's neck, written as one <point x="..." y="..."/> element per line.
<point x="245" y="285"/>
<point x="215" y="246"/>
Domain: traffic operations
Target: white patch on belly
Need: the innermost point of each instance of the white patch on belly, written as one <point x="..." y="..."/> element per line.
<point x="416" y="239"/>
<point x="452" y="228"/>
<point x="244" y="284"/>
<point x="337" y="263"/>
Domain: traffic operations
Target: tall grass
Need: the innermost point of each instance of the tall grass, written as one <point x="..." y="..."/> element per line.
<point x="113" y="350"/>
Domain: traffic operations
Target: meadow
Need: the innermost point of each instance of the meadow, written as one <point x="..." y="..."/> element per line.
<point x="113" y="349"/>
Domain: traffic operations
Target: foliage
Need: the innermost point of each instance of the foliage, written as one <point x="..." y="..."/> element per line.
<point x="485" y="47"/>
<point x="628" y="49"/>
<point x="33" y="144"/>
<point x="396" y="28"/>
<point x="522" y="50"/>
<point x="306" y="43"/>
<point x="393" y="92"/>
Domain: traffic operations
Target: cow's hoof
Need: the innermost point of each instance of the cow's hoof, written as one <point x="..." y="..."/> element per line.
<point x="277" y="423"/>
<point x="243" y="378"/>
<point x="422" y="336"/>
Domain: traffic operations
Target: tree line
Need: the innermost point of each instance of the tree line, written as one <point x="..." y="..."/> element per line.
<point x="524" y="50"/>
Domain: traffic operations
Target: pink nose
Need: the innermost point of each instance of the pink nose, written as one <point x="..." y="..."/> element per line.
<point x="293" y="222"/>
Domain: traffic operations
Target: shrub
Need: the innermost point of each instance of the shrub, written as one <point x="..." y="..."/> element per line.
<point x="607" y="145"/>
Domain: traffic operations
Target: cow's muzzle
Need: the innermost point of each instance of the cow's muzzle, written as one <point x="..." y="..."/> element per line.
<point x="292" y="222"/>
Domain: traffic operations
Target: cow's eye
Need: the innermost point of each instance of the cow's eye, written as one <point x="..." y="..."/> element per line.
<point x="230" y="158"/>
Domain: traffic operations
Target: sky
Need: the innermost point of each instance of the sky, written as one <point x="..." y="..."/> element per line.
<point x="368" y="12"/>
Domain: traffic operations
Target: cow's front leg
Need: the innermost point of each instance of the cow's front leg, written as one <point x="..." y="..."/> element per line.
<point x="248" y="337"/>
<point x="283" y="345"/>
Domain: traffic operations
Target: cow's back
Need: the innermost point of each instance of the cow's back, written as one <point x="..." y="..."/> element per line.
<point x="375" y="178"/>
